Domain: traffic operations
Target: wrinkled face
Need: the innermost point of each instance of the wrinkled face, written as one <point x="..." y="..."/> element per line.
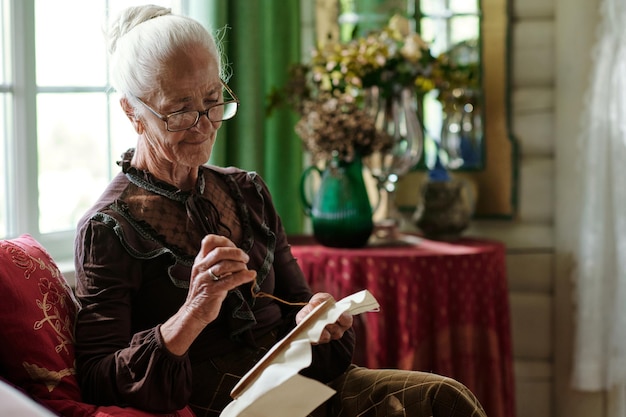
<point x="187" y="82"/>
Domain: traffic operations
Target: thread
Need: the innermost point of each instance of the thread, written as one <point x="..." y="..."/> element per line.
<point x="262" y="294"/>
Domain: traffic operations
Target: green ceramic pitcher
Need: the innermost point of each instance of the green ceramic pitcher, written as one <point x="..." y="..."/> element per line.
<point x="340" y="209"/>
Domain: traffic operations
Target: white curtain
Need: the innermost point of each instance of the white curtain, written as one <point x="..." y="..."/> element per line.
<point x="600" y="277"/>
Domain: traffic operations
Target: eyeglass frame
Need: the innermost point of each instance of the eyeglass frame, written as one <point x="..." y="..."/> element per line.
<point x="166" y="117"/>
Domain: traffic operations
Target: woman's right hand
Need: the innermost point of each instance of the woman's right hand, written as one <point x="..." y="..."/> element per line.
<point x="218" y="258"/>
<point x="219" y="267"/>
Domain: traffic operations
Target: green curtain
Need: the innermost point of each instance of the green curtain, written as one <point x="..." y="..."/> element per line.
<point x="262" y="40"/>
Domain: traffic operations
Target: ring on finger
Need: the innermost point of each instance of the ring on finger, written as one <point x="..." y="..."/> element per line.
<point x="212" y="275"/>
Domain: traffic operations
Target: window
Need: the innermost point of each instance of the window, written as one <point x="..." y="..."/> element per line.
<point x="61" y="128"/>
<point x="5" y="116"/>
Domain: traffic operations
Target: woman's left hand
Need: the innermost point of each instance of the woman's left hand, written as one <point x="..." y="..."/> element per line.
<point x="332" y="331"/>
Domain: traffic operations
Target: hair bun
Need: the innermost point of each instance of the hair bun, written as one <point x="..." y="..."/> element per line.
<point x="128" y="19"/>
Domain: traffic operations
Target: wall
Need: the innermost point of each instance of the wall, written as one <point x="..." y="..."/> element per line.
<point x="530" y="257"/>
<point x="550" y="61"/>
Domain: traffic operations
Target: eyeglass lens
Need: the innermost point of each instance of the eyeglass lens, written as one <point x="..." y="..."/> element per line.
<point x="186" y="120"/>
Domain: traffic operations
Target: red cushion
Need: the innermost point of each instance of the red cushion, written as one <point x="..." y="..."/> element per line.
<point x="37" y="313"/>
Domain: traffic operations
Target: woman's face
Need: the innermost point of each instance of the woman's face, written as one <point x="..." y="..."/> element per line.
<point x="187" y="82"/>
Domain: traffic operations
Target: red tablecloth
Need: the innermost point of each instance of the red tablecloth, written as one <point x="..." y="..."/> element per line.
<point x="444" y="309"/>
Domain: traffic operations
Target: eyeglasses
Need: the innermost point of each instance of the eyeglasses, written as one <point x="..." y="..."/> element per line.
<point x="183" y="120"/>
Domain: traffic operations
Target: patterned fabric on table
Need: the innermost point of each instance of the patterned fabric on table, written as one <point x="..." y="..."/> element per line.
<point x="444" y="308"/>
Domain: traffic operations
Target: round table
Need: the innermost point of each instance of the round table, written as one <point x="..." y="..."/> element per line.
<point x="444" y="308"/>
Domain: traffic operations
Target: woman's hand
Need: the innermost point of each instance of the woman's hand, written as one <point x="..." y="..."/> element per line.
<point x="219" y="267"/>
<point x="218" y="258"/>
<point x="332" y="331"/>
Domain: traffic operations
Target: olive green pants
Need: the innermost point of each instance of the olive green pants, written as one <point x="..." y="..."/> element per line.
<point x="363" y="392"/>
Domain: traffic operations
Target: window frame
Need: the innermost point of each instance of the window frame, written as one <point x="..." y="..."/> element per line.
<point x="21" y="155"/>
<point x="20" y="166"/>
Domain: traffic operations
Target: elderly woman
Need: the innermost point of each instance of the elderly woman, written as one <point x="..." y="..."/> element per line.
<point x="182" y="267"/>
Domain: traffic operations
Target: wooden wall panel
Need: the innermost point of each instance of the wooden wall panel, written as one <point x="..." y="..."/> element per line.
<point x="533" y="53"/>
<point x="532" y="326"/>
<point x="530" y="272"/>
<point x="536" y="190"/>
<point x="535" y="133"/>
<point x="530" y="259"/>
<point x="532" y="9"/>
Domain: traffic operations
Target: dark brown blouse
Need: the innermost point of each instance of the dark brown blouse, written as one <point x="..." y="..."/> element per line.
<point x="134" y="252"/>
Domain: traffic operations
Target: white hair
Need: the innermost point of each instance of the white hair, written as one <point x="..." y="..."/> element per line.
<point x="142" y="38"/>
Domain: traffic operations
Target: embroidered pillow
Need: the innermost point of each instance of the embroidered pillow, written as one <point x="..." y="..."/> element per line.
<point x="37" y="312"/>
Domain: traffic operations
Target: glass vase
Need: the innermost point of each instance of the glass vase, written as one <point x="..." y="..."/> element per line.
<point x="462" y="129"/>
<point x="338" y="203"/>
<point x="396" y="113"/>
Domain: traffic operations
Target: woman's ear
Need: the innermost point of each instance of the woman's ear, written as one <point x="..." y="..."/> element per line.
<point x="129" y="109"/>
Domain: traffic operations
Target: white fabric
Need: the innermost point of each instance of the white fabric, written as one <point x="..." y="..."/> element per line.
<point x="600" y="277"/>
<point x="279" y="391"/>
<point x="16" y="404"/>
